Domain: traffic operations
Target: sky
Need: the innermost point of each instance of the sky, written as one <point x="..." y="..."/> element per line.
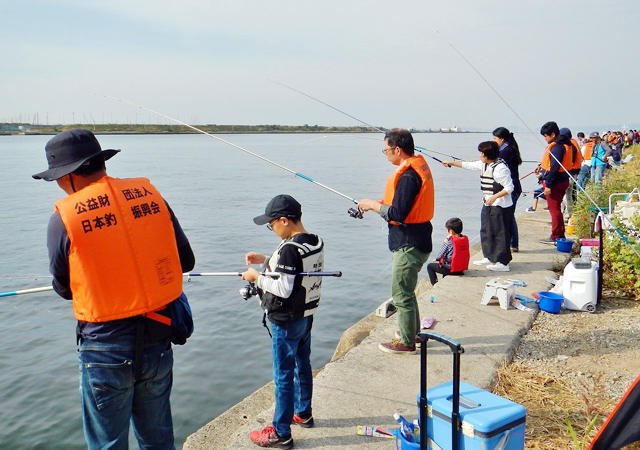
<point x="384" y="63"/>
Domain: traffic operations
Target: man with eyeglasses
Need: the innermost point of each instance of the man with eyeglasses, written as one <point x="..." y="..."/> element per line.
<point x="289" y="302"/>
<point x="408" y="208"/>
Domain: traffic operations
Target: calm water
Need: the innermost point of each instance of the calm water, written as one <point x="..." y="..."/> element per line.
<point x="215" y="190"/>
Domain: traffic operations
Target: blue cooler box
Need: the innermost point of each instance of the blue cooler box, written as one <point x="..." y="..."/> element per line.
<point x="489" y="422"/>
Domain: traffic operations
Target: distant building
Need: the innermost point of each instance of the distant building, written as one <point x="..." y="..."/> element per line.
<point x="453" y="129"/>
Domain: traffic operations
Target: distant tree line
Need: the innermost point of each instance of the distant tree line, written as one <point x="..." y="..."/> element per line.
<point x="6" y="128"/>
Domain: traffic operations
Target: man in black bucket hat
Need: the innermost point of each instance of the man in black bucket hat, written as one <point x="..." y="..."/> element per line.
<point x="69" y="150"/>
<point x="117" y="250"/>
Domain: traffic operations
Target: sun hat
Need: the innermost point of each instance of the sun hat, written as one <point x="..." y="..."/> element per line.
<point x="69" y="150"/>
<point x="280" y="206"/>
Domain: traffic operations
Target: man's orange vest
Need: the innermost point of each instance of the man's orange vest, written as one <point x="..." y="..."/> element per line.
<point x="422" y="209"/>
<point x="587" y="151"/>
<point x="577" y="161"/>
<point x="123" y="259"/>
<point x="567" y="160"/>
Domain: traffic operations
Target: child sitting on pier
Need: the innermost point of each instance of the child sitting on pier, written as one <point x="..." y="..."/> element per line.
<point x="453" y="257"/>
<point x="537" y="193"/>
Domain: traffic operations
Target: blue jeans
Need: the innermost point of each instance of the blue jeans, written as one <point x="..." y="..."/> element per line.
<point x="596" y="173"/>
<point x="585" y="173"/>
<point x="292" y="376"/>
<point x="111" y="398"/>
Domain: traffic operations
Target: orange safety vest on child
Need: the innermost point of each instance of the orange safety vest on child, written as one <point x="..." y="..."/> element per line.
<point x="567" y="160"/>
<point x="123" y="259"/>
<point x="422" y="209"/>
<point x="460" y="257"/>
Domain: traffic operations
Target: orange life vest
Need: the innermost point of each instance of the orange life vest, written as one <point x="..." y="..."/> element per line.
<point x="587" y="151"/>
<point x="567" y="160"/>
<point x="422" y="209"/>
<point x="577" y="161"/>
<point x="460" y="257"/>
<point x="123" y="258"/>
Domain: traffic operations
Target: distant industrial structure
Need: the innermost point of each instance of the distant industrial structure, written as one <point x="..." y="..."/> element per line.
<point x="453" y="129"/>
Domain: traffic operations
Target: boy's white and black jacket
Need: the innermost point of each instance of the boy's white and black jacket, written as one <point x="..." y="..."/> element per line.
<point x="291" y="297"/>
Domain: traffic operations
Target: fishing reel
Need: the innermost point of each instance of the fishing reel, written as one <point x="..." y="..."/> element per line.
<point x="248" y="291"/>
<point x="356" y="213"/>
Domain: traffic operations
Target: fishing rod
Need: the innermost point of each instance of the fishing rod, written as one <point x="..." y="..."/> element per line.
<point x="352" y="212"/>
<point x="336" y="274"/>
<point x="26" y="291"/>
<point x="33" y="277"/>
<point x="361" y="121"/>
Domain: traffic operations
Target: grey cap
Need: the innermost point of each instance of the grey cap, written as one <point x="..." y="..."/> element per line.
<point x="594" y="134"/>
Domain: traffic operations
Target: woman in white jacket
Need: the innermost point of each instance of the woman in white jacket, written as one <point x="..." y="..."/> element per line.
<point x="497" y="214"/>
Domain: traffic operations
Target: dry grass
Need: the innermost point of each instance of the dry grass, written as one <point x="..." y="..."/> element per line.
<point x="550" y="401"/>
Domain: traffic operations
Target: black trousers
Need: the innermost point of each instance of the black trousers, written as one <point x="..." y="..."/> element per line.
<point x="434" y="268"/>
<point x="495" y="233"/>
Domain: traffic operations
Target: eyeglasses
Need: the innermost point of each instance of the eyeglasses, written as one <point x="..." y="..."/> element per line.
<point x="386" y="150"/>
<point x="270" y="224"/>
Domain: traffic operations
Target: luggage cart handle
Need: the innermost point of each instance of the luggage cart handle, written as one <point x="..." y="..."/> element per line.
<point x="457" y="350"/>
<point x="455" y="346"/>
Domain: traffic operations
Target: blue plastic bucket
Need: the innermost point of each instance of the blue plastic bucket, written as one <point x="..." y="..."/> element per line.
<point x="564" y="245"/>
<point x="403" y="444"/>
<point x="550" y="302"/>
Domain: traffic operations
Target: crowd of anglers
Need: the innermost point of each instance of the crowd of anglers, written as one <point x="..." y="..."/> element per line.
<point x="118" y="252"/>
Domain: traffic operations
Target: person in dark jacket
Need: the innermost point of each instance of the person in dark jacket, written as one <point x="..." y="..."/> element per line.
<point x="555" y="165"/>
<point x="408" y="208"/>
<point x="510" y="154"/>
<point x="104" y="226"/>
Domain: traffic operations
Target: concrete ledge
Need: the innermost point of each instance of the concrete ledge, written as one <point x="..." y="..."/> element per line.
<point x="364" y="386"/>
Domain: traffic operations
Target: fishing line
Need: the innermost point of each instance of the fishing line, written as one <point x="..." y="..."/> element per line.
<point x="361" y="121"/>
<point x="298" y="174"/>
<point x="488" y="84"/>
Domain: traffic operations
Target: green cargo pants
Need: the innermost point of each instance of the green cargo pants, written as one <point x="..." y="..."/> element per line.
<point x="405" y="266"/>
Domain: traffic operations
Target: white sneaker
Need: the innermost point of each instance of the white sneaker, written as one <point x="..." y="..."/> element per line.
<point x="498" y="267"/>
<point x="482" y="262"/>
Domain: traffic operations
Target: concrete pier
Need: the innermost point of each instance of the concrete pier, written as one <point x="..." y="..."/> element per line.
<point x="364" y="386"/>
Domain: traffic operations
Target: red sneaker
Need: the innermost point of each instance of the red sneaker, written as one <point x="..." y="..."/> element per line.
<point x="396" y="346"/>
<point x="304" y="423"/>
<point x="417" y="340"/>
<point x="269" y="438"/>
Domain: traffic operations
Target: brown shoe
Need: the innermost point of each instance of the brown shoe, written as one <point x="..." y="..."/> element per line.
<point x="514" y="250"/>
<point x="396" y="346"/>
